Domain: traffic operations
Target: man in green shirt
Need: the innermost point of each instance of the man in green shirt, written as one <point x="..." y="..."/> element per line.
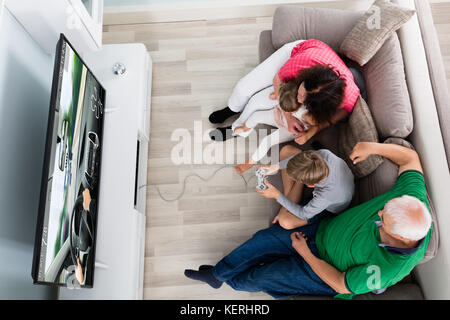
<point x="366" y="248"/>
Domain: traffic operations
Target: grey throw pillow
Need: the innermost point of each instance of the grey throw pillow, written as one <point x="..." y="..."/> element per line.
<point x="372" y="29"/>
<point x="387" y="91"/>
<point x="359" y="128"/>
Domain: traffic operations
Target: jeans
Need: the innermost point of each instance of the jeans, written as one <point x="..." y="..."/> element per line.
<point x="319" y="216"/>
<point x="267" y="262"/>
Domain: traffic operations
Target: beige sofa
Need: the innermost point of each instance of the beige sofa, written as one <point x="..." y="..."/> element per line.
<point x="406" y="92"/>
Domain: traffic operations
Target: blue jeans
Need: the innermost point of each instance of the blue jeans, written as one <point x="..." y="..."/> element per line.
<point x="267" y="262"/>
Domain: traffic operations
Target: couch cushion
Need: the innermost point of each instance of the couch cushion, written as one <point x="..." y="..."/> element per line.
<point x="376" y="183"/>
<point x="387" y="92"/>
<point x="372" y="29"/>
<point x="292" y="23"/>
<point x="381" y="180"/>
<point x="358" y="77"/>
<point x="359" y="128"/>
<point x="400" y="291"/>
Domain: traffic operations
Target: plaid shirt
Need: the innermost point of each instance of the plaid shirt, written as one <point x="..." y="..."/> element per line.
<point x="312" y="52"/>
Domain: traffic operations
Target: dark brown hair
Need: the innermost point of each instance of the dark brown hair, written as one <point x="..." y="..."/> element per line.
<point x="325" y="92"/>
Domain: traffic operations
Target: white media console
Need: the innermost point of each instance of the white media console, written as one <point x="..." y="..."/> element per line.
<point x="120" y="249"/>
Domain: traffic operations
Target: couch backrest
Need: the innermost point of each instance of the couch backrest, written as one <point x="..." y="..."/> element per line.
<point x="292" y="23"/>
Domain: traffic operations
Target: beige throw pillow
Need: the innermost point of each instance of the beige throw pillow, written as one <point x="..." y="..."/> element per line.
<point x="372" y="29"/>
<point x="359" y="128"/>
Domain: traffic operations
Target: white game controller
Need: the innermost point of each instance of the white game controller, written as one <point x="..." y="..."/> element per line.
<point x="261" y="178"/>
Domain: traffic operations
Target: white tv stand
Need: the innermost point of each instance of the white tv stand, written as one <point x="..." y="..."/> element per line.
<point x="120" y="249"/>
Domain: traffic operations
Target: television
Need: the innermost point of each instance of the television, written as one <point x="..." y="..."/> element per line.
<point x="64" y="252"/>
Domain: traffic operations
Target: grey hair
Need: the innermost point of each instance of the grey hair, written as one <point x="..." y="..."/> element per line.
<point x="401" y="210"/>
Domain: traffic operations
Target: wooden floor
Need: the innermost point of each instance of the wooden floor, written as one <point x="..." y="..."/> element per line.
<point x="196" y="65"/>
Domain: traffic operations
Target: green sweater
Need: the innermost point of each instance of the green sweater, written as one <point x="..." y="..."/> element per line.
<point x="350" y="242"/>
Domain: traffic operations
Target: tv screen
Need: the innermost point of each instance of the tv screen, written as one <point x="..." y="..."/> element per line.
<point x="66" y="230"/>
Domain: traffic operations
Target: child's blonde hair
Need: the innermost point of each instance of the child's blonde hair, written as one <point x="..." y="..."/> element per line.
<point x="307" y="167"/>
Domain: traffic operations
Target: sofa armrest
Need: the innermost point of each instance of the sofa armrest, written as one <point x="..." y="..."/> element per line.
<point x="436" y="70"/>
<point x="266" y="48"/>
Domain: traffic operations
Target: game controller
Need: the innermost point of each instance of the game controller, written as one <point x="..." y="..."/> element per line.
<point x="261" y="178"/>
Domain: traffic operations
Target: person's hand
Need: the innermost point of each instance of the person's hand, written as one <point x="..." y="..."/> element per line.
<point x="273" y="96"/>
<point x="299" y="242"/>
<point x="241" y="168"/>
<point x="294" y="125"/>
<point x="271" y="192"/>
<point x="303" y="137"/>
<point x="361" y="151"/>
<point x="270" y="169"/>
<point x="275" y="220"/>
<point x="86" y="199"/>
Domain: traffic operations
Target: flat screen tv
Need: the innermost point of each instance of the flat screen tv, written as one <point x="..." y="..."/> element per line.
<point x="64" y="252"/>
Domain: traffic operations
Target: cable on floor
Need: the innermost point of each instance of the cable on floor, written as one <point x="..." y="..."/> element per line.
<point x="198" y="176"/>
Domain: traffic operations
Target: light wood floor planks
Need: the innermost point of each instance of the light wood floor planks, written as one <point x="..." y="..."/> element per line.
<point x="196" y="64"/>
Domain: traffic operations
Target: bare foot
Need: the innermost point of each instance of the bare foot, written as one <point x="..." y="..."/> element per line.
<point x="240" y="129"/>
<point x="241" y="168"/>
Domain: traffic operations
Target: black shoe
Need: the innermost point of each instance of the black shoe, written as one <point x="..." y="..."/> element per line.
<point x="221" y="115"/>
<point x="205" y="267"/>
<point x="204" y="276"/>
<point x="221" y="134"/>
